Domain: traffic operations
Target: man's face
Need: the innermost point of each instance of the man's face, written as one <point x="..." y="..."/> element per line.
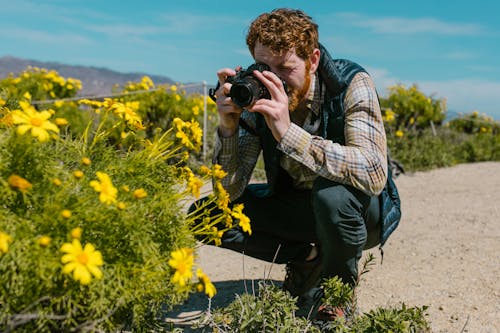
<point x="290" y="68"/>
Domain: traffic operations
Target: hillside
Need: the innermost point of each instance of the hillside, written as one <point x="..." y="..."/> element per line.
<point x="95" y="81"/>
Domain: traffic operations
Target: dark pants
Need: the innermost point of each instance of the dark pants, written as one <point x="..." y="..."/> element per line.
<point x="339" y="218"/>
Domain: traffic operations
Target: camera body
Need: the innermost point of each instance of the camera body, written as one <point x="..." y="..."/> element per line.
<point x="246" y="88"/>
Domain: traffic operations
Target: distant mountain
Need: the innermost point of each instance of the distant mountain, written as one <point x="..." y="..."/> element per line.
<point x="95" y="81"/>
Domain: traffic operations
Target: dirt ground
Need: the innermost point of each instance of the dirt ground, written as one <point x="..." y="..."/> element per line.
<point x="445" y="254"/>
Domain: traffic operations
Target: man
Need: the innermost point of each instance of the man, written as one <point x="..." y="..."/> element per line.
<point x="324" y="147"/>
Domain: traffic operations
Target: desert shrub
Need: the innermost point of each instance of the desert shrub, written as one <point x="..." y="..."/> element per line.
<point x="94" y="235"/>
<point x="405" y="108"/>
<point x="271" y="310"/>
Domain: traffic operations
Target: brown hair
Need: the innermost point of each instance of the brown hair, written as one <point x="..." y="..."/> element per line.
<point x="284" y="29"/>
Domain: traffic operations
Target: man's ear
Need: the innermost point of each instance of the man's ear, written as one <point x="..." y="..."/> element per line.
<point x="314" y="58"/>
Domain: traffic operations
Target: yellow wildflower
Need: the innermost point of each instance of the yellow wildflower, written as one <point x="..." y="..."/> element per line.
<point x="76" y="233"/>
<point x="399" y="133"/>
<point x="173" y="88"/>
<point x="140" y="193"/>
<point x="19" y="183"/>
<point x="105" y="187"/>
<point x="189" y="133"/>
<point x="194" y="185"/>
<point x="125" y="188"/>
<point x="205" y="170"/>
<point x="222" y="196"/>
<point x="182" y="261"/>
<point x="31" y="120"/>
<point x="86" y="161"/>
<point x="217" y="172"/>
<point x="205" y="284"/>
<point x="244" y="221"/>
<point x="196" y="110"/>
<point x="5" y="240"/>
<point x="27" y="95"/>
<point x="78" y="174"/>
<point x="121" y="205"/>
<point x="2" y="102"/>
<point x="61" y="121"/>
<point x="66" y="213"/>
<point x="44" y="241"/>
<point x="82" y="262"/>
<point x="56" y="182"/>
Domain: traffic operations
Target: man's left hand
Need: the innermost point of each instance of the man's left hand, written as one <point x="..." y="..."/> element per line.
<point x="274" y="110"/>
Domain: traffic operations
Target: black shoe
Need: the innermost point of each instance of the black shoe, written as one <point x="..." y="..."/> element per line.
<point x="302" y="276"/>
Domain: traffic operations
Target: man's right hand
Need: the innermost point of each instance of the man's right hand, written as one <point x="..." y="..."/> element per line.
<point x="229" y="113"/>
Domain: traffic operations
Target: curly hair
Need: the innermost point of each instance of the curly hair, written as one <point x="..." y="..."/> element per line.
<point x="284" y="29"/>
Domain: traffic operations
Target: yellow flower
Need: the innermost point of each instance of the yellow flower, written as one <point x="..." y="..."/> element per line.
<point x="61" y="121"/>
<point x="66" y="213"/>
<point x="105" y="187"/>
<point x="125" y="188"/>
<point x="173" y="88"/>
<point x="56" y="182"/>
<point x="121" y="205"/>
<point x="82" y="262"/>
<point x="19" y="183"/>
<point x="31" y="120"/>
<point x="78" y="174"/>
<point x="222" y="196"/>
<point x="399" y="133"/>
<point x="76" y="233"/>
<point x="2" y="102"/>
<point x="205" y="170"/>
<point x="205" y="284"/>
<point x="182" y="261"/>
<point x="244" y="223"/>
<point x="86" y="161"/>
<point x="27" y="95"/>
<point x="5" y="240"/>
<point x="194" y="185"/>
<point x="44" y="241"/>
<point x="389" y="115"/>
<point x="140" y="193"/>
<point x="189" y="133"/>
<point x="196" y="110"/>
<point x="217" y="172"/>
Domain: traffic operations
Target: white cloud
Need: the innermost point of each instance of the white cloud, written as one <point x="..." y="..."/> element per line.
<point x="404" y="25"/>
<point x="461" y="95"/>
<point x="39" y="36"/>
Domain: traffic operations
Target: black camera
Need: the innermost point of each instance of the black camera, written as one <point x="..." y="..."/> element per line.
<point x="246" y="88"/>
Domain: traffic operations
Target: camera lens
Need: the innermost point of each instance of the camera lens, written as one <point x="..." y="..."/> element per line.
<point x="243" y="93"/>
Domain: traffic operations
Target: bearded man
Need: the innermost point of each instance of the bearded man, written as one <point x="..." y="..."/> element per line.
<point x="324" y="148"/>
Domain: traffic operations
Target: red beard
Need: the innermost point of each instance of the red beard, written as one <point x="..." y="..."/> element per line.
<point x="295" y="96"/>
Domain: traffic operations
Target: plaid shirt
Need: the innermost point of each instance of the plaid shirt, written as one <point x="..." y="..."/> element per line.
<point x="361" y="162"/>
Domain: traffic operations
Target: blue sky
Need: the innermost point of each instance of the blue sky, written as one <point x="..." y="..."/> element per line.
<point x="448" y="48"/>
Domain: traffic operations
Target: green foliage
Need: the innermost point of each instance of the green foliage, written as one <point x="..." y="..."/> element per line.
<point x="272" y="310"/>
<point x="397" y="320"/>
<point x="418" y="138"/>
<point x="406" y="108"/>
<point x="40" y="84"/>
<point x="135" y="236"/>
<point x="475" y="123"/>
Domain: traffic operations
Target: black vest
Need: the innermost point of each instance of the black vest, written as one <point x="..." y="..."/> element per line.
<point x="336" y="74"/>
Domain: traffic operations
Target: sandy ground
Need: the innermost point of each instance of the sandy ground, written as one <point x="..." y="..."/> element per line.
<point x="445" y="254"/>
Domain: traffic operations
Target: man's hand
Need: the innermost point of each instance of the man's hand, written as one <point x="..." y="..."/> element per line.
<point x="274" y="110"/>
<point x="229" y="113"/>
